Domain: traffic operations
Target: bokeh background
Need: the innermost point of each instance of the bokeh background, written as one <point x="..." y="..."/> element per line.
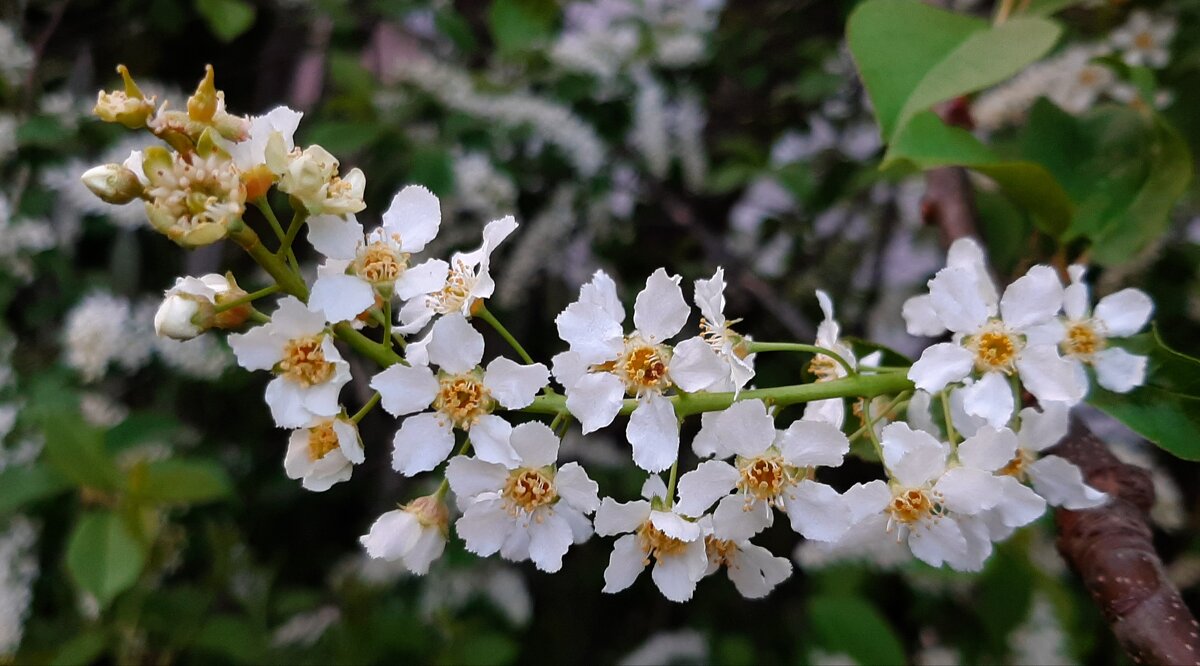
<point x="622" y="134"/>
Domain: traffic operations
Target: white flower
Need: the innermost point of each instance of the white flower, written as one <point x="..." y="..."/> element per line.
<point x="191" y="296"/>
<point x="414" y="534"/>
<point x="359" y="267"/>
<point x="692" y="359"/>
<point x="467" y="280"/>
<point x="274" y="128"/>
<point x="752" y="569"/>
<point x="826" y="368"/>
<point x="963" y="298"/>
<point x="462" y="395"/>
<point x="939" y="507"/>
<point x="100" y="330"/>
<point x="310" y="372"/>
<point x="323" y="453"/>
<point x="771" y="469"/>
<point x="604" y="364"/>
<point x="1056" y="479"/>
<point x="1084" y="334"/>
<point x="1143" y="41"/>
<point x="525" y="508"/>
<point x="312" y="177"/>
<point x="674" y="541"/>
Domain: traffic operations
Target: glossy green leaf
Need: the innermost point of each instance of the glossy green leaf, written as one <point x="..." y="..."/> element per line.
<point x="852" y="626"/>
<point x="227" y="19"/>
<point x="22" y="485"/>
<point x="184" y="482"/>
<point x="104" y="558"/>
<point x="928" y="143"/>
<point x="911" y="55"/>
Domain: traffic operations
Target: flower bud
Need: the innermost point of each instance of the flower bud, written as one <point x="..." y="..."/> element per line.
<point x="113" y="183"/>
<point x="176" y="317"/>
<point x="202" y="105"/>
<point x="189" y="307"/>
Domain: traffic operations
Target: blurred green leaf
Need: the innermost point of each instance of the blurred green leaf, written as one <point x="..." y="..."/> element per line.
<point x="233" y="637"/>
<point x="341" y="137"/>
<point x="76" y="450"/>
<point x="22" y="485"/>
<point x="518" y="24"/>
<point x="485" y="649"/>
<point x="927" y="143"/>
<point x="433" y="168"/>
<point x="911" y="55"/>
<point x="185" y="482"/>
<point x="226" y="18"/>
<point x="140" y="427"/>
<point x="42" y="132"/>
<point x="103" y="557"/>
<point x="852" y="626"/>
<point x="1048" y="7"/>
<point x="1005" y="592"/>
<point x="82" y="649"/>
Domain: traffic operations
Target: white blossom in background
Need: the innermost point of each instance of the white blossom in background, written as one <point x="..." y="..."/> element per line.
<point x="1084" y="334"/>
<point x="449" y="590"/>
<point x="770" y="471"/>
<point x="684" y="646"/>
<point x="305" y="629"/>
<point x="8" y="136"/>
<point x="360" y="267"/>
<point x="413" y="535"/>
<point x="991" y="336"/>
<point x="479" y="187"/>
<point x="1040" y="639"/>
<point x="467" y="281"/>
<point x="15" y="55"/>
<point x="20" y="238"/>
<point x="603" y="364"/>
<point x="539" y="247"/>
<point x="100" y="332"/>
<point x="1144" y="39"/>
<point x="528" y="508"/>
<point x="687" y="122"/>
<point x="299" y="349"/>
<point x="675" y="543"/>
<point x="18" y="571"/>
<point x="460" y="395"/>
<point x="101" y="411"/>
<point x="650" y="133"/>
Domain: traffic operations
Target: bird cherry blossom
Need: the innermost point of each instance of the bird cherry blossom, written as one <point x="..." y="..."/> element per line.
<point x="771" y="469"/>
<point x="603" y="364"/>
<point x="825" y="368"/>
<point x="990" y="335"/>
<point x="752" y="569"/>
<point x="323" y="453"/>
<point x="358" y="268"/>
<point x="297" y="347"/>
<point x="527" y="508"/>
<point x="1143" y="40"/>
<point x="414" y="534"/>
<point x="467" y="280"/>
<point x="461" y="394"/>
<point x="675" y="542"/>
<point x="737" y="365"/>
<point x="1053" y="477"/>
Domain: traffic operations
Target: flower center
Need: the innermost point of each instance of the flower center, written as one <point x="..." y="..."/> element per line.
<point x="765" y="476"/>
<point x="1019" y="466"/>
<point x="463" y="399"/>
<point x="911" y="505"/>
<point x="1082" y="340"/>
<point x="304" y="361"/>
<point x="321" y="440"/>
<point x="526" y="489"/>
<point x="458" y="288"/>
<point x="656" y="544"/>
<point x="995" y="348"/>
<point x="380" y="263"/>
<point x="823" y="368"/>
<point x="1144" y="41"/>
<point x="720" y="551"/>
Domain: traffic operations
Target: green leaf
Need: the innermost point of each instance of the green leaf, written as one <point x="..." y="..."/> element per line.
<point x="103" y="557"/>
<point x="1048" y="7"/>
<point x="912" y="56"/>
<point x="516" y="25"/>
<point x="928" y="143"/>
<point x="345" y="137"/>
<point x="76" y="450"/>
<point x="226" y="18"/>
<point x="852" y="626"/>
<point x="82" y="649"/>
<point x="184" y="482"/>
<point x="21" y="485"/>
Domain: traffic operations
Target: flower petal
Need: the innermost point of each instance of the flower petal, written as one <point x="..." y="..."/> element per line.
<point x="955" y="296"/>
<point x="404" y="389"/>
<point x="755" y="571"/>
<point x="937" y="541"/>
<point x="990" y="398"/>
<point x="1041" y="430"/>
<point x="659" y="311"/>
<point x="968" y="491"/>
<point x="422" y="443"/>
<point x="416" y="215"/>
<point x="674" y="579"/>
<point x="335" y="236"/>
<point x="675" y="526"/>
<point x="591" y="331"/>
<point x="1019" y="505"/>
<point x="484" y="526"/>
<point x="595" y="400"/>
<point x="490" y="439"/>
<point x="535" y="443"/>
<point x="653" y="432"/>
<point x="709" y="482"/>
<point x="454" y="345"/>
<point x="624" y="565"/>
<point x="745" y="429"/>
<point x="1033" y="298"/>
<point x="549" y="539"/>
<point x="696" y="366"/>
<point x="1125" y="312"/>
<point x="1119" y="371"/>
<point x="989" y="449"/>
<point x="939" y="365"/>
<point x="392" y="535"/>
<point x="735" y="520"/>
<point x="615" y="517"/>
<point x="424" y="278"/>
<point x="257" y="349"/>
<point x="514" y="385"/>
<point x="812" y="443"/>
<point x="920" y="319"/>
<point x="576" y="488"/>
<point x="914" y="457"/>
<point x="469" y="477"/>
<point x="1048" y="376"/>
<point x="341" y="297"/>
<point x="1061" y="483"/>
<point x="817" y="511"/>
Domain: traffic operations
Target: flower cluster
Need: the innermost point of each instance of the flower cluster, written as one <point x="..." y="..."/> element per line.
<point x="952" y="486"/>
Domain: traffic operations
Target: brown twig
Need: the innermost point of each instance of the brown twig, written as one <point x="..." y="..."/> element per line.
<point x="1111" y="547"/>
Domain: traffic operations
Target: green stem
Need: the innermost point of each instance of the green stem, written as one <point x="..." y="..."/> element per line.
<point x="671" y="479"/>
<point x="284" y="251"/>
<point x="293" y="229"/>
<point x="755" y="347"/>
<point x="867" y="386"/>
<point x="366" y="409"/>
<point x="259" y="317"/>
<point x="440" y="493"/>
<point x="387" y="323"/>
<point x="951" y="433"/>
<point x="1015" y="382"/>
<point x="284" y="276"/>
<point x="248" y="298"/>
<point x="365" y="346"/>
<point x="487" y="316"/>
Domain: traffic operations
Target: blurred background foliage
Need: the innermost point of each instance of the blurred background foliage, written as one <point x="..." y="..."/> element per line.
<point x="145" y="517"/>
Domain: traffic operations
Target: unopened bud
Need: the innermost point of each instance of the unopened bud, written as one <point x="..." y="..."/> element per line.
<point x="190" y="307"/>
<point x="114" y="183"/>
<point x="430" y="511"/>
<point x="202" y="105"/>
<point x="176" y="317"/>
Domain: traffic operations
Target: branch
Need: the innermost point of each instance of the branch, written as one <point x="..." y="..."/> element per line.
<point x="1111" y="547"/>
